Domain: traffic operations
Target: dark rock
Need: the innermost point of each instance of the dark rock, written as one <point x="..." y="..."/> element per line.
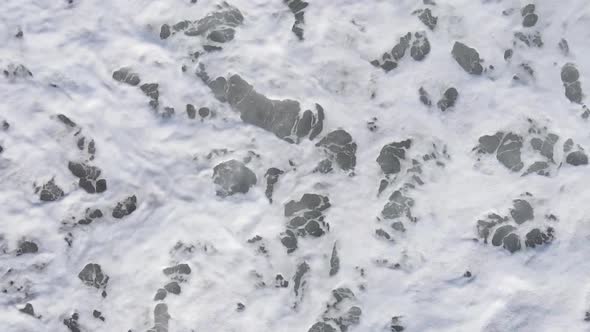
<point x="545" y="147"/>
<point x="501" y="233"/>
<point x="191" y="111"/>
<point x="72" y="323"/>
<point x="233" y="177"/>
<point x="172" y="287"/>
<point x="204" y="112"/>
<point x="420" y="46"/>
<point x="211" y="48"/>
<point x="569" y="73"/>
<point x="573" y="92"/>
<point x="564" y="47"/>
<point x="165" y="31"/>
<point x="50" y="192"/>
<point x="297" y="8"/>
<point x="424" y="97"/>
<point x="449" y="99"/>
<point x="177" y="269"/>
<point x="28" y="309"/>
<point x="530" y="20"/>
<point x="508" y="153"/>
<point x="397" y="206"/>
<point x="577" y="158"/>
<point x="391" y="154"/>
<point x="85" y="171"/>
<point x="160" y="294"/>
<point x="240" y="307"/>
<point x="298" y="279"/>
<point x="489" y="143"/>
<point x="126" y="75"/>
<point x="27" y="247"/>
<point x="125" y="207"/>
<point x="334" y="261"/>
<point x="87" y="186"/>
<point x="324" y="167"/>
<point x="399" y="50"/>
<point x="532" y="39"/>
<point x="280" y="282"/>
<point x="321" y="327"/>
<point x="101" y="186"/>
<point x="222" y="36"/>
<point x="161" y="318"/>
<point x="65" y="120"/>
<point x="536" y="237"/>
<point x="151" y="90"/>
<point x="467" y="58"/>
<point x="428" y="19"/>
<point x="307" y="202"/>
<point x="398" y="226"/>
<point x="289" y="240"/>
<point x="272" y="177"/>
<point x="340" y="147"/>
<point x="382" y="234"/>
<point x="395" y="325"/>
<point x="512" y="243"/>
<point x="522" y="211"/>
<point x="538" y="167"/>
<point x="508" y="54"/>
<point x="528" y="9"/>
<point x="92" y="276"/>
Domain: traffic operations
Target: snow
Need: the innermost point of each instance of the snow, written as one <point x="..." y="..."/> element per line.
<point x="163" y="161"/>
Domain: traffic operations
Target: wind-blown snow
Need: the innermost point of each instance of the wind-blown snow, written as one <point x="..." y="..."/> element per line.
<point x="167" y="163"/>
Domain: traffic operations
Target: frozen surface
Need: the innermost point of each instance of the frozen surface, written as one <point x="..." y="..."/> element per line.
<point x="182" y="165"/>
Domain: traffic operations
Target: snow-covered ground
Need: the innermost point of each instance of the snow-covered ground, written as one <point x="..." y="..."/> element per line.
<point x="449" y="187"/>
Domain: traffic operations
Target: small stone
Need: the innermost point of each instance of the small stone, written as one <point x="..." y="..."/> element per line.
<point x="180" y="269"/>
<point x="204" y="112"/>
<point x="27" y="247"/>
<point x="165" y="31"/>
<point x="467" y="58"/>
<point x="530" y="20"/>
<point x="125" y="207"/>
<point x="28" y="309"/>
<point x="101" y="185"/>
<point x="522" y="211"/>
<point x="233" y="177"/>
<point x="240" y="307"/>
<point x="191" y="111"/>
<point x="87" y="185"/>
<point x="173" y="287"/>
<point x="93" y="276"/>
<point x="160" y="294"/>
<point x="512" y="243"/>
<point x="577" y="158"/>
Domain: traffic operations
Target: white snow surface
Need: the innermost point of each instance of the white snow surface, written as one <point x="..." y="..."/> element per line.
<point x="162" y="161"/>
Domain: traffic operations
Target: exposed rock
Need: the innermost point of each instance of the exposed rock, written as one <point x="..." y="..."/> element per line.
<point x="570" y="78"/>
<point x="530" y="40"/>
<point x="233" y="177"/>
<point x="307" y="202"/>
<point x="191" y="111"/>
<point x="420" y="46"/>
<point x="50" y="192"/>
<point x="522" y="211"/>
<point x="508" y="153"/>
<point x="161" y="318"/>
<point x="398" y="206"/>
<point x="172" y="287"/>
<point x="536" y="237"/>
<point x="177" y="269"/>
<point x="272" y="177"/>
<point x="281" y="117"/>
<point x="577" y="158"/>
<point x="564" y="47"/>
<point x="424" y="97"/>
<point x="27" y="247"/>
<point x="160" y="294"/>
<point x="28" y="309"/>
<point x="125" y="207"/>
<point x="72" y="323"/>
<point x="321" y="327"/>
<point x="427" y="18"/>
<point x="340" y="148"/>
<point x="126" y="75"/>
<point x="511" y="243"/>
<point x="449" y="98"/>
<point x="334" y="261"/>
<point x="92" y="276"/>
<point x="501" y="233"/>
<point x="297" y="7"/>
<point x="391" y="154"/>
<point x="299" y="282"/>
<point x="467" y="58"/>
